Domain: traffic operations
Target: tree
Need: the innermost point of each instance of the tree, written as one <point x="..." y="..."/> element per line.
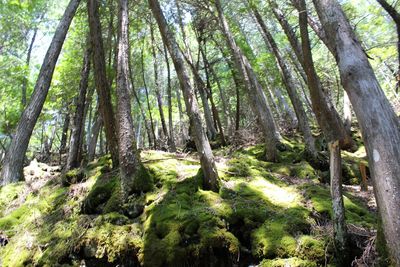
<point x="210" y="173"/>
<point x="254" y="90"/>
<point x="102" y="85"/>
<point x="14" y="160"/>
<point x="76" y="142"/>
<point x="132" y="172"/>
<point x="378" y="122"/>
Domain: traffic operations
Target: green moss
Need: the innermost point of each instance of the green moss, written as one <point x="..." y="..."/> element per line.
<point x="356" y="212"/>
<point x="72" y="177"/>
<point x="100" y="193"/>
<point x="8" y="193"/>
<point x="310" y="248"/>
<point x="292" y="262"/>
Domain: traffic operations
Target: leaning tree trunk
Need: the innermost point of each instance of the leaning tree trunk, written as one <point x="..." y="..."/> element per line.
<point x="254" y="90"/>
<point x="333" y="136"/>
<point x="76" y="141"/>
<point x="14" y="161"/>
<point x="379" y="124"/>
<point x="289" y="84"/>
<point x="210" y="173"/>
<point x="102" y="86"/>
<point x="131" y="169"/>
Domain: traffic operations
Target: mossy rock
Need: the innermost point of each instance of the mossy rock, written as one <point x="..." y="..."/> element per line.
<point x="72" y="177"/>
<point x="99" y="195"/>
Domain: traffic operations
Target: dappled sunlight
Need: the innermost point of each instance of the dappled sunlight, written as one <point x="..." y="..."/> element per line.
<point x="280" y="196"/>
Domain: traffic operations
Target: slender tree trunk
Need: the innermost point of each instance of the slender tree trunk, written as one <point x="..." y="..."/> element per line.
<point x="380" y="130"/>
<point x="171" y="141"/>
<point x="14" y="160"/>
<point x="98" y="123"/>
<point x="289" y="84"/>
<point x="155" y="142"/>
<point x="135" y="95"/>
<point x="210" y="173"/>
<point x="102" y="86"/>
<point x="157" y="83"/>
<point x="76" y="141"/>
<point x="254" y="89"/>
<point x="64" y="134"/>
<point x="338" y="215"/>
<point x="131" y="168"/>
<point x="28" y="60"/>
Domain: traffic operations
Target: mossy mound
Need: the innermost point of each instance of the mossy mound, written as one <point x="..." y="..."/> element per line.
<point x="261" y="215"/>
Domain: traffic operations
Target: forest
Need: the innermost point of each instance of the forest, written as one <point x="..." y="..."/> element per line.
<point x="200" y="133"/>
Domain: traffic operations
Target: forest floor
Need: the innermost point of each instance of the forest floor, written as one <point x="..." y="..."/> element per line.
<point x="266" y="214"/>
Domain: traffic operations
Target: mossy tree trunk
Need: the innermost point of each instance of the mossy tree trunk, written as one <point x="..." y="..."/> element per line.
<point x="378" y="122"/>
<point x="210" y="173"/>
<point x="14" y="160"/>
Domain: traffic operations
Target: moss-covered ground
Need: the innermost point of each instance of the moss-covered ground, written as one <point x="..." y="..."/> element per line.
<point x="269" y="214"/>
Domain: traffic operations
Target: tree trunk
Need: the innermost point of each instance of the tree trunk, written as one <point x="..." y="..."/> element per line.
<point x="380" y="130"/>
<point x="13" y="163"/>
<point x="155" y="142"/>
<point x="254" y="90"/>
<point x="289" y="84"/>
<point x="75" y="146"/>
<point x="157" y="83"/>
<point x="131" y="168"/>
<point x="98" y="123"/>
<point x="102" y="86"/>
<point x="338" y="215"/>
<point x="210" y="173"/>
<point x="347" y="115"/>
<point x="171" y="141"/>
<point x="64" y="134"/>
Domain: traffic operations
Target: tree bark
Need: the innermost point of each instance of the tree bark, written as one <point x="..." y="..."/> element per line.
<point x="14" y="160"/>
<point x="378" y="122"/>
<point x="75" y="146"/>
<point x="254" y="90"/>
<point x="210" y="173"/>
<point x="64" y="134"/>
<point x="102" y="86"/>
<point x="130" y="165"/>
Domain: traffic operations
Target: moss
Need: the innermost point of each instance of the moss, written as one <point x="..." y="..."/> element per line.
<point x="100" y="193"/>
<point x="72" y="177"/>
<point x="143" y="180"/>
<point x="356" y="212"/>
<point x="310" y="248"/>
<point x="293" y="262"/>
<point x="8" y="193"/>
